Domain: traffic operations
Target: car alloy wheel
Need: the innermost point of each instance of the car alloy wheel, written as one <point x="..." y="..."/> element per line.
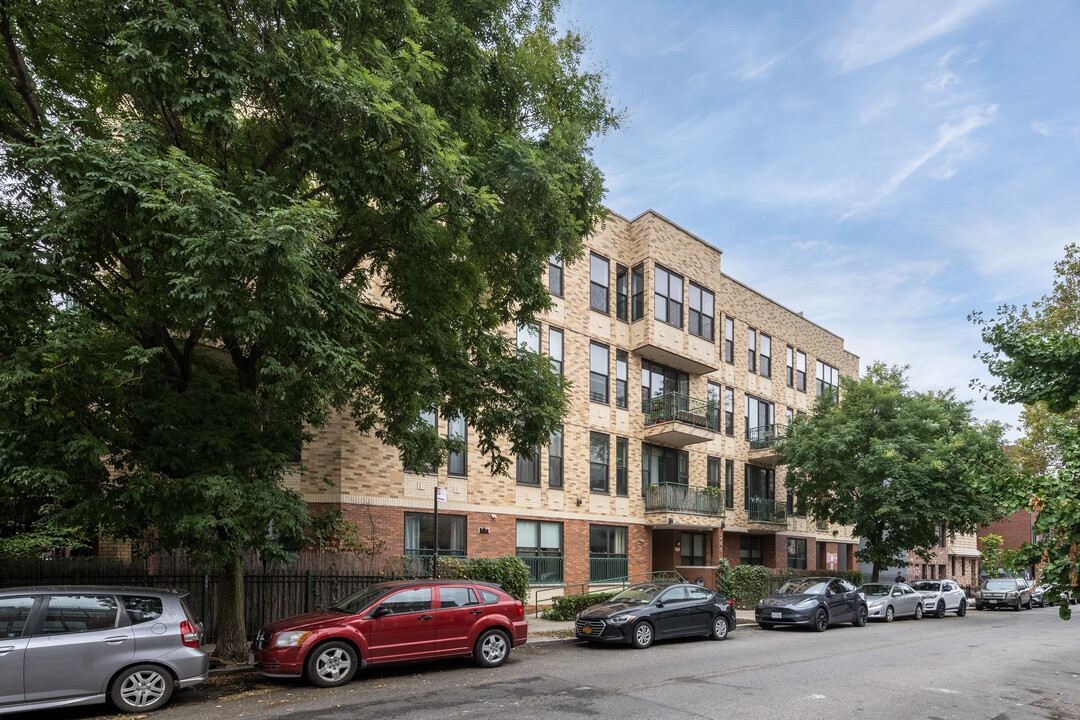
<point x="940" y="612"/>
<point x="821" y="620"/>
<point x="141" y="688"/>
<point x="889" y="614"/>
<point x="918" y="611"/>
<point x="860" y="617"/>
<point x="492" y="648"/>
<point x="719" y="628"/>
<point x="331" y="664"/>
<point x="643" y="635"/>
<point x="962" y="610"/>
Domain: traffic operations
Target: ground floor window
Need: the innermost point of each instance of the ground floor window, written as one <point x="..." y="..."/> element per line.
<point x="750" y="550"/>
<point x="796" y="553"/>
<point x="694" y="550"/>
<point x="607" y="552"/>
<point x="420" y="538"/>
<point x="540" y="547"/>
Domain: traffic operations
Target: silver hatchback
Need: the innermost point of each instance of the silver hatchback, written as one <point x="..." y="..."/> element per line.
<point x="63" y="646"/>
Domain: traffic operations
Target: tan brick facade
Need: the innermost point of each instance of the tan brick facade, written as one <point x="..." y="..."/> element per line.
<point x="366" y="478"/>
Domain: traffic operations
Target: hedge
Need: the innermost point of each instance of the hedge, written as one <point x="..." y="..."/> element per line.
<point x="568" y="606"/>
<point x="508" y="572"/>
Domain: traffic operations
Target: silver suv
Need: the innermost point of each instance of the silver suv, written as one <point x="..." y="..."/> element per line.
<point x="941" y="596"/>
<point x="1003" y="592"/>
<point x="62" y="646"/>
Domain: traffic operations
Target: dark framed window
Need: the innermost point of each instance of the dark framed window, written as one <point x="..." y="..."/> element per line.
<point x="540" y="547"/>
<point x="599" y="270"/>
<point x="599" y="447"/>
<point x="555" y="349"/>
<point x="555" y="459"/>
<point x="828" y="379"/>
<point x="713" y="406"/>
<point x="528" y="469"/>
<point x="420" y="534"/>
<point x="751" y="350"/>
<point x="759" y="483"/>
<point x="790" y="366"/>
<point x="598" y="372"/>
<point x="693" y="549"/>
<point x="428" y="417"/>
<point x="800" y="371"/>
<point x="658" y="380"/>
<point x="750" y="550"/>
<point x="729" y="340"/>
<point x="607" y="541"/>
<point x="663" y="465"/>
<point x="729" y="484"/>
<point x="759" y="414"/>
<point x="729" y="412"/>
<point x="528" y="337"/>
<point x="622" y="294"/>
<point x="622" y="464"/>
<point x="796" y="553"/>
<point x="621" y="371"/>
<point x="667" y="292"/>
<point x="790" y="502"/>
<point x="700" y="316"/>
<point x="712" y="472"/>
<point x="637" y="293"/>
<point x="765" y="351"/>
<point x="555" y="273"/>
<point x="456" y="461"/>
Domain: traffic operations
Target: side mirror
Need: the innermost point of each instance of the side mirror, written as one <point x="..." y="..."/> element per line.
<point x="382" y="611"/>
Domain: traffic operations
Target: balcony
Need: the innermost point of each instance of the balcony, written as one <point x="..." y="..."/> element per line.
<point x="679" y="420"/>
<point x="763" y="441"/>
<point x="764" y="510"/>
<point x="678" y="498"/>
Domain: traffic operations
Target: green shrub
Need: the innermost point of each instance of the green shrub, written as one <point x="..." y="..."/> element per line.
<point x="723" y="579"/>
<point x="508" y="572"/>
<point x="749" y="583"/>
<point x="568" y="606"/>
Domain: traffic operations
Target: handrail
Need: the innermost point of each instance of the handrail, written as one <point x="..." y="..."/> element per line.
<point x="679" y="407"/>
<point x="765" y="510"/>
<point x="622" y="582"/>
<point x="765" y="436"/>
<point x="676" y="497"/>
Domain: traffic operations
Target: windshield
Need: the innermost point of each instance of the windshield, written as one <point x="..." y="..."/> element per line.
<point x="360" y="599"/>
<point x="875" y="590"/>
<point x="1000" y="584"/>
<point x="804" y="586"/>
<point x="925" y="585"/>
<point x="638" y="595"/>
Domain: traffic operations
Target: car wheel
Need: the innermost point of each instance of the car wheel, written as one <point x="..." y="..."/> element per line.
<point x="821" y="620"/>
<point x="141" y="688"/>
<point x="642" y="636"/>
<point x="962" y="610"/>
<point x="860" y="617"/>
<point x="940" y="611"/>
<point x="719" y="628"/>
<point x="1028" y="605"/>
<point x="765" y="626"/>
<point x="918" y="611"/>
<point x="889" y="614"/>
<point x="492" y="648"/>
<point x="331" y="664"/>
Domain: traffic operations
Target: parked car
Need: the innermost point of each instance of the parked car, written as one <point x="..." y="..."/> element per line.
<point x="1038" y="593"/>
<point x="941" y="596"/>
<point x="816" y="602"/>
<point x="643" y="613"/>
<point x="82" y="645"/>
<point x="1052" y="597"/>
<point x="1003" y="592"/>
<point x="393" y="622"/>
<point x="886" y="601"/>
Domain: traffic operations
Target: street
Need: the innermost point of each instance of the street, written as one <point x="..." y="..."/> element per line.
<point x="993" y="664"/>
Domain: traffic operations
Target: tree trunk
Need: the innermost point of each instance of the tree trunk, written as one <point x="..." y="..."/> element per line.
<point x="875" y="572"/>
<point x="232" y="645"/>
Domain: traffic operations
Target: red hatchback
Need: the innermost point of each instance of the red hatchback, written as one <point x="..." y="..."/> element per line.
<point x="393" y="622"/>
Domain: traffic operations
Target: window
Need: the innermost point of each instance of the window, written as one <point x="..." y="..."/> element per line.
<point x="790" y="366"/>
<point x="428" y="417"/>
<point x="14" y="612"/>
<point x="456" y="459"/>
<point x="620" y="378"/>
<point x="79" y="613"/>
<point x="658" y="380"/>
<point x="729" y="412"/>
<point x="729" y="484"/>
<point x="599" y="445"/>
<point x="800" y="371"/>
<point x="540" y="547"/>
<point x="759" y="484"/>
<point x="712" y="474"/>
<point x="693" y="548"/>
<point x="751" y="350"/>
<point x="598" y="283"/>
<point x="700" y="317"/>
<point x="663" y="465"/>
<point x="796" y="553"/>
<point x="420" y="534"/>
<point x="637" y="293"/>
<point x="667" y="292"/>
<point x="622" y="297"/>
<point x="750" y="550"/>
<point x="452" y="597"/>
<point x="759" y="417"/>
<point x="942" y="536"/>
<point x="598" y="372"/>
<point x="790" y="502"/>
<point x="622" y="464"/>
<point x="729" y="340"/>
<point x="555" y="474"/>
<point x="528" y="469"/>
<point x="528" y="337"/>
<point x="141" y="608"/>
<point x="408" y="601"/>
<point x="555" y="268"/>
<point x="790" y="416"/>
<point x="712" y="403"/>
<point x="828" y="379"/>
<point x="607" y="541"/>
<point x="555" y="349"/>
<point x="766" y="356"/>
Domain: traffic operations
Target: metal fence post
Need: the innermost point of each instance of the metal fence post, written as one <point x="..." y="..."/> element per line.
<point x="307" y="595"/>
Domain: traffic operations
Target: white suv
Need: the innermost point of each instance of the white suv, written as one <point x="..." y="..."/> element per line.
<point x="941" y="596"/>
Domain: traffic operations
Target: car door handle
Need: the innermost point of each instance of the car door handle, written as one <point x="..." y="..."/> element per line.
<point x="476" y="612"/>
<point x="115" y="640"/>
<point x="426" y="617"/>
<point x="6" y="649"/>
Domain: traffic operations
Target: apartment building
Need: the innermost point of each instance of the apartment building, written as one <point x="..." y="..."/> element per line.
<point x="956" y="557"/>
<point x="682" y="378"/>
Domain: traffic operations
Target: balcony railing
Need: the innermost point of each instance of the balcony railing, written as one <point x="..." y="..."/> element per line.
<point x="765" y="510"/>
<point x="543" y="569"/>
<point x="678" y="407"/>
<point x="603" y="569"/>
<point x="675" y="497"/>
<point x="765" y="436"/>
<point x="417" y="565"/>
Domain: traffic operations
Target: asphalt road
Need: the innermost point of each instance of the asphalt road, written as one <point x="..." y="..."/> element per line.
<point x="992" y="664"/>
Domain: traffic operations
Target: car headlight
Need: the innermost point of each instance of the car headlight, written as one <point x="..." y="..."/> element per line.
<point x="807" y="604"/>
<point x="621" y="619"/>
<point x="877" y="603"/>
<point x="1010" y="595"/>
<point x="291" y="638"/>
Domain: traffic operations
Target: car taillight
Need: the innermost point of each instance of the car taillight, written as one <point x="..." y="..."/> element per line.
<point x="520" y="609"/>
<point x="189" y="634"/>
<point x="730" y="603"/>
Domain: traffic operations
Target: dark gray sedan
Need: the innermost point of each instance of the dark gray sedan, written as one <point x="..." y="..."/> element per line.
<point x="887" y="601"/>
<point x="815" y="602"/>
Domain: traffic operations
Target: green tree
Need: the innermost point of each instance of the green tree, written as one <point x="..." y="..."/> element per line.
<point x="226" y="220"/>
<point x="895" y="464"/>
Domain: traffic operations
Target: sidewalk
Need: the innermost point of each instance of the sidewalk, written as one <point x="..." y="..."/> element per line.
<point x="541" y="630"/>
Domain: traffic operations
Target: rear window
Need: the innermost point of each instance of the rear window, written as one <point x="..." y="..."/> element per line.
<point x="489" y="596"/>
<point x="142" y="608"/>
<point x="13" y="614"/>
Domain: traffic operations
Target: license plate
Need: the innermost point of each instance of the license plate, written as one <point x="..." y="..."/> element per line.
<point x="586" y="630"/>
<point x="777" y="616"/>
<point x="993" y="602"/>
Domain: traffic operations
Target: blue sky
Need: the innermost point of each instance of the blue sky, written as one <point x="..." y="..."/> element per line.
<point x="885" y="167"/>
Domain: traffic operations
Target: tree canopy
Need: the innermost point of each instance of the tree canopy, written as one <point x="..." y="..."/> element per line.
<point x="226" y="220"/>
<point x="895" y="464"/>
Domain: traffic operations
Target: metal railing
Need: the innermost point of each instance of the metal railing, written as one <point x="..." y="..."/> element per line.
<point x="765" y="436"/>
<point x="583" y="588"/>
<point x="608" y="569"/>
<point x="543" y="569"/>
<point x="766" y="510"/>
<point x="675" y="497"/>
<point x="678" y="407"/>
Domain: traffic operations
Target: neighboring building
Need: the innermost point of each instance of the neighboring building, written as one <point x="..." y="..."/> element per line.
<point x="682" y="378"/>
<point x="1015" y="530"/>
<point x="955" y="558"/>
